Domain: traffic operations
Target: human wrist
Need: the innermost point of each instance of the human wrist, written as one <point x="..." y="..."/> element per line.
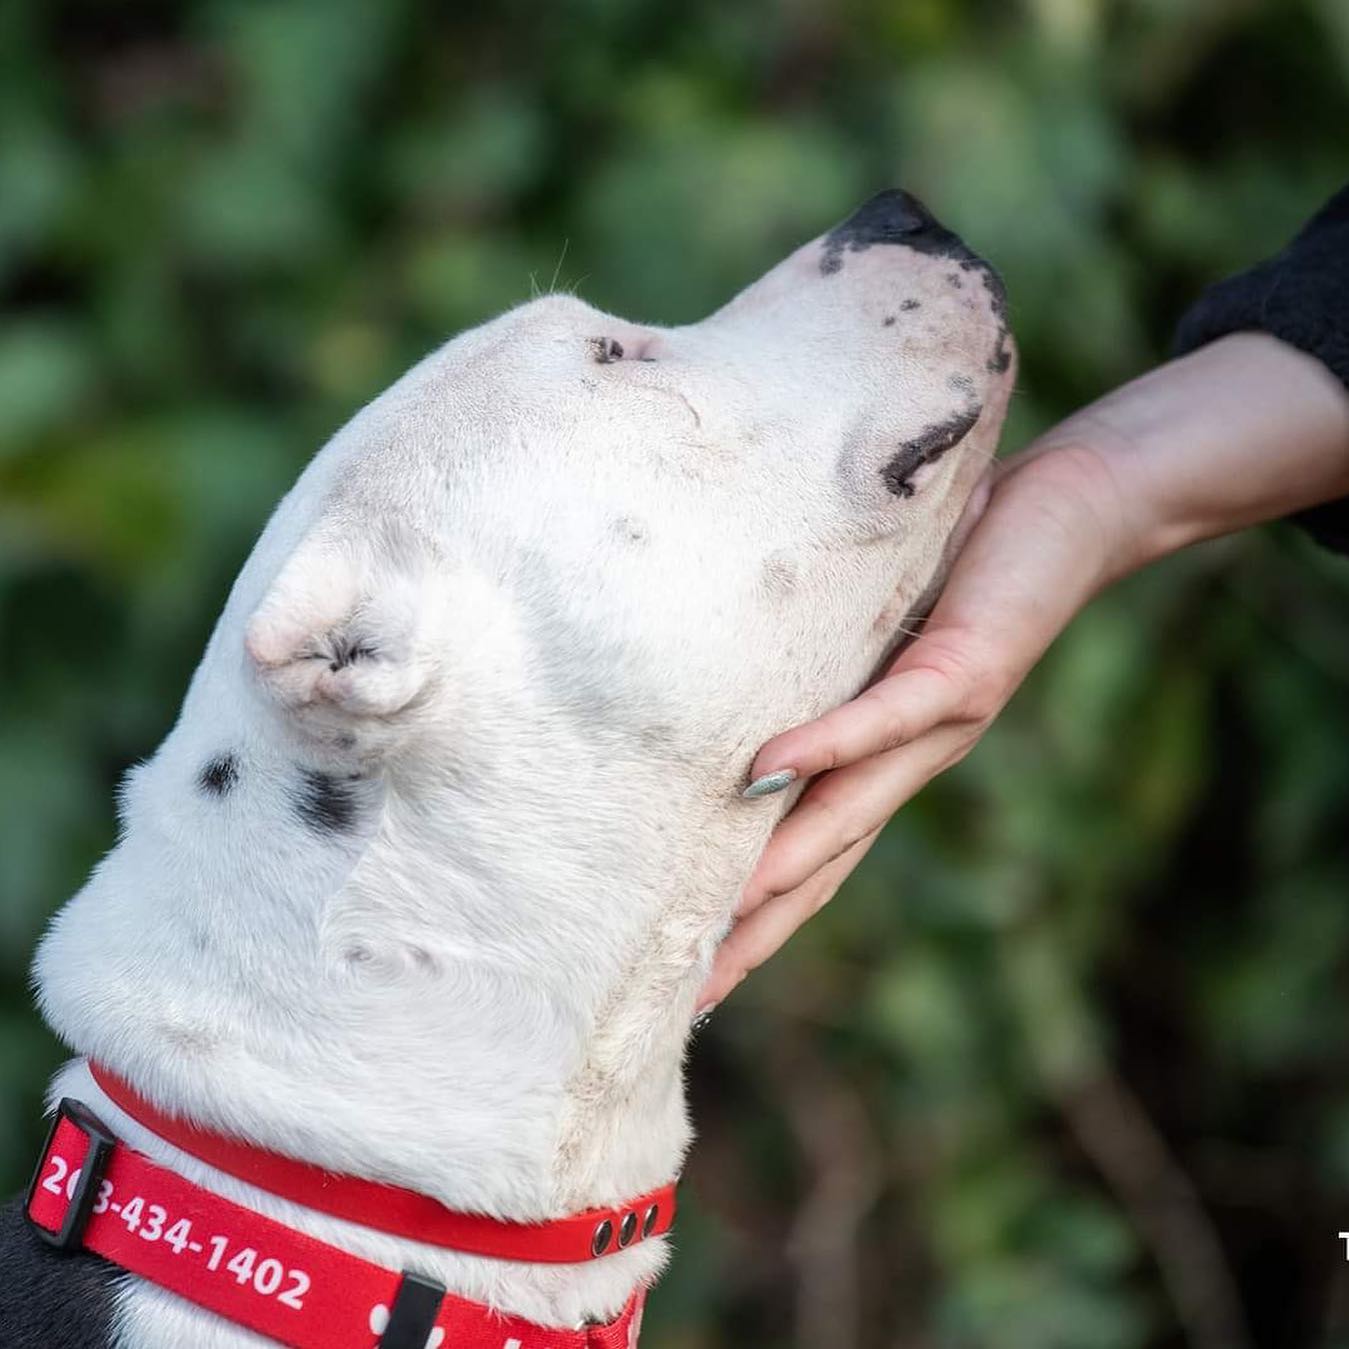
<point x="1077" y="476"/>
<point x="1244" y="430"/>
<point x="1047" y="543"/>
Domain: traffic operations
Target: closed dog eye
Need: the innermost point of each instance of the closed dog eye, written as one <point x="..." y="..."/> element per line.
<point x="926" y="448"/>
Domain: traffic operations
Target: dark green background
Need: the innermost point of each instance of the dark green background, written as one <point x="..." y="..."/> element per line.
<point x="1065" y="1065"/>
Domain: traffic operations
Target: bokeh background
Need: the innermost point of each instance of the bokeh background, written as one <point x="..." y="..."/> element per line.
<point x="1067" y="1065"/>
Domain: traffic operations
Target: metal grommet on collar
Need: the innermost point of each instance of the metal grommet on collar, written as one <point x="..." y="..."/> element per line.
<point x="604" y="1234"/>
<point x="649" y="1222"/>
<point x="628" y="1229"/>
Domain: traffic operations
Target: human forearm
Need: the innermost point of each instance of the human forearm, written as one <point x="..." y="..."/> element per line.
<point x="1243" y="430"/>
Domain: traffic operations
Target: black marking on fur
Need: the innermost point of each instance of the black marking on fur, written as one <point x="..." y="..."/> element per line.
<point x="997" y="295"/>
<point x="953" y="280"/>
<point x="962" y="384"/>
<point x="889" y="321"/>
<point x="51" y="1300"/>
<point x="909" y="305"/>
<point x="997" y="292"/>
<point x="326" y="803"/>
<point x="926" y="448"/>
<point x="219" y="776"/>
<point x="347" y="651"/>
<point x="606" y="350"/>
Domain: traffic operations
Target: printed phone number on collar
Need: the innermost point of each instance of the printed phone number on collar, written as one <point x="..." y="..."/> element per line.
<point x="151" y="1222"/>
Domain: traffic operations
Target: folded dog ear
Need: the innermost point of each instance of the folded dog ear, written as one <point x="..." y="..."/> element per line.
<point x="345" y="637"/>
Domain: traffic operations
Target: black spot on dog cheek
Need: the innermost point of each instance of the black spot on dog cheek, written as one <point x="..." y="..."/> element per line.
<point x="909" y="305"/>
<point x="889" y="322"/>
<point x="219" y="775"/>
<point x="327" y="804"/>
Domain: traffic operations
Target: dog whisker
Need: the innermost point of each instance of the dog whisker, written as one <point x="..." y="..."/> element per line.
<point x="561" y="258"/>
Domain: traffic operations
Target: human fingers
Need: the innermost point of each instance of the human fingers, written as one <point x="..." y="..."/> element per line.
<point x="847" y="805"/>
<point x="756" y="937"/>
<point x="1029" y="563"/>
<point x="898" y="708"/>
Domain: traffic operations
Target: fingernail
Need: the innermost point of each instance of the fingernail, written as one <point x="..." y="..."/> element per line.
<point x="703" y="1016"/>
<point x="770" y="783"/>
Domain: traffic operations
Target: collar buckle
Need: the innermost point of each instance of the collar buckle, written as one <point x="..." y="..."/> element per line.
<point x="82" y="1185"/>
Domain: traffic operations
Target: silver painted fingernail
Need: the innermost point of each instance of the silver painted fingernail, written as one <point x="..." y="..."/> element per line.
<point x="703" y="1018"/>
<point x="770" y="783"/>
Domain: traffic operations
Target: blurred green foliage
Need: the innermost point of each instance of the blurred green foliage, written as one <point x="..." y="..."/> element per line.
<point x="1065" y="1066"/>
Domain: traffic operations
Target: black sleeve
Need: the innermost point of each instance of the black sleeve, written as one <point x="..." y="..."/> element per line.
<point x="1300" y="295"/>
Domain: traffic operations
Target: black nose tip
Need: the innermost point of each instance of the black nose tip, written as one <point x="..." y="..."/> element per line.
<point x="889" y="217"/>
<point x="892" y="217"/>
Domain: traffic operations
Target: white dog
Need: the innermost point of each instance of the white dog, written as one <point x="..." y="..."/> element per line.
<point x="423" y="883"/>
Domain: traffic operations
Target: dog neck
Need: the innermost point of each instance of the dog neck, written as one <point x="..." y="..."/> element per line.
<point x="390" y="977"/>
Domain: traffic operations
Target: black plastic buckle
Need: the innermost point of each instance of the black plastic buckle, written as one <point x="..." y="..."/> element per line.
<point x="413" y="1315"/>
<point x="82" y="1198"/>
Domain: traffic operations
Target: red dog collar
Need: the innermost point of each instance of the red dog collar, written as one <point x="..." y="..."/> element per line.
<point x="92" y="1191"/>
<point x="389" y="1208"/>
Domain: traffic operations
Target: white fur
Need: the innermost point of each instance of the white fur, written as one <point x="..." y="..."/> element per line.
<point x="582" y="595"/>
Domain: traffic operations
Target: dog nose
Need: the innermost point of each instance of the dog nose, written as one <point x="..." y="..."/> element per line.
<point x="896" y="217"/>
<point x="892" y="217"/>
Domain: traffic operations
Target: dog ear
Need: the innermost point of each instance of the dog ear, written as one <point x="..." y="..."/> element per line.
<point x="345" y="639"/>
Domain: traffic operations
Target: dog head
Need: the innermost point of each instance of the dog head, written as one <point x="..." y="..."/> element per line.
<point x="457" y="782"/>
<point x="568" y="534"/>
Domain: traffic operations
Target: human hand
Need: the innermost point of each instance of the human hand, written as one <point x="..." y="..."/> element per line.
<point x="1035" y="555"/>
<point x="1243" y="430"/>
